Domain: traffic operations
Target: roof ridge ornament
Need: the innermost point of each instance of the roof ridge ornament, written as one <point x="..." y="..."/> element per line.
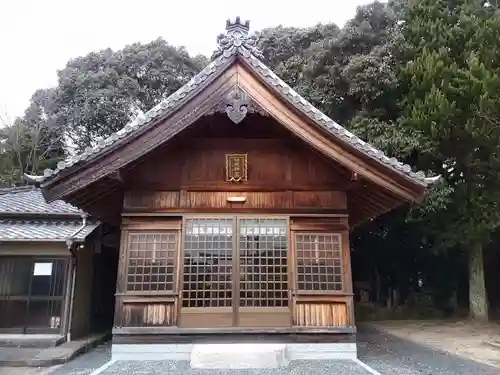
<point x="236" y="38"/>
<point x="236" y="105"/>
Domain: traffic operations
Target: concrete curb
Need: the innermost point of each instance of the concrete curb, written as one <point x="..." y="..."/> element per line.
<point x="57" y="355"/>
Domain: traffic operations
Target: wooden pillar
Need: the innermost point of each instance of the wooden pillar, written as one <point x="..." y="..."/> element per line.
<point x="66" y="317"/>
<point x="348" y="284"/>
<point x="121" y="275"/>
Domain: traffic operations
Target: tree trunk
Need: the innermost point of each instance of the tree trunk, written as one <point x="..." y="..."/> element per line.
<point x="478" y="302"/>
<point x="395" y="298"/>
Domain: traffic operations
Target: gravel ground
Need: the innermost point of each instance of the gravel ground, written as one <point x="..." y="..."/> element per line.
<point x="384" y="353"/>
<point x="390" y="355"/>
<point x="182" y="368"/>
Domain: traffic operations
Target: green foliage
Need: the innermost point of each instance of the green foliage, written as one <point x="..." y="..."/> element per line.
<point x="32" y="143"/>
<point x="280" y="44"/>
<point x="451" y="102"/>
<point x="99" y="93"/>
<point x="96" y="95"/>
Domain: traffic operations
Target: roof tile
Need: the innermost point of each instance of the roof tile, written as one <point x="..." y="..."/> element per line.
<point x="29" y="199"/>
<point x="44" y="230"/>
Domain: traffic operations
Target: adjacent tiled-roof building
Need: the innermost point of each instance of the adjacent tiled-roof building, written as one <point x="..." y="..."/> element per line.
<point x="26" y="216"/>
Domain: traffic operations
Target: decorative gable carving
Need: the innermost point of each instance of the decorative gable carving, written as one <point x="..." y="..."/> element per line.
<point x="236" y="105"/>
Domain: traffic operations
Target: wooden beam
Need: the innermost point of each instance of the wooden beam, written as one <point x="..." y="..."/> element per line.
<point x="228" y="330"/>
<point x="118" y="176"/>
<point x="354" y="183"/>
<point x="97" y="192"/>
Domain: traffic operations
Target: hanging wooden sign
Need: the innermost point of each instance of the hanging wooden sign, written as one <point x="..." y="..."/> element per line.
<point x="236" y="167"/>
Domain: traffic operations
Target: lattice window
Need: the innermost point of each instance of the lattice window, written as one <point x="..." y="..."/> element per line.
<point x="151" y="262"/>
<point x="208" y="258"/>
<point x="319" y="261"/>
<point x="263" y="262"/>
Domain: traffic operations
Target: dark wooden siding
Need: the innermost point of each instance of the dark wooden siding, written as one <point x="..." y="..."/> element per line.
<point x="189" y="201"/>
<point x="196" y="161"/>
<point x="190" y="175"/>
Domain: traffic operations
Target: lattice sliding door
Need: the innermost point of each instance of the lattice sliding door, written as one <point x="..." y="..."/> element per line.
<point x="207" y="296"/>
<point x="263" y="272"/>
<point x="235" y="272"/>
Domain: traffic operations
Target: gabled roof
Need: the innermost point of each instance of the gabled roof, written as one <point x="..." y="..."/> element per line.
<point x="236" y="44"/>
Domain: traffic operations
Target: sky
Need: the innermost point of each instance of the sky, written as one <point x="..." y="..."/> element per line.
<point x="38" y="37"/>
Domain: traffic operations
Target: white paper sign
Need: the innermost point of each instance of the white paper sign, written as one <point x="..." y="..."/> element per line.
<point x="42" y="269"/>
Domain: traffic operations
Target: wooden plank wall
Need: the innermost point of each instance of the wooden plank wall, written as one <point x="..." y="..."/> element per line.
<point x="283" y="175"/>
<point x="143" y="313"/>
<point x="322" y="314"/>
<point x="274" y="164"/>
<point x="209" y="201"/>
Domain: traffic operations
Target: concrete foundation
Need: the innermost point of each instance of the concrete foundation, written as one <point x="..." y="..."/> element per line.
<point x="236" y="355"/>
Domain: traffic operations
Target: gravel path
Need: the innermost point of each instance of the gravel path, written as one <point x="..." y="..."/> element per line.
<point x="384" y="353"/>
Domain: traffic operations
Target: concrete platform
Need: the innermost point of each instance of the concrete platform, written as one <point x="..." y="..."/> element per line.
<point x="50" y="356"/>
<point x="230" y="352"/>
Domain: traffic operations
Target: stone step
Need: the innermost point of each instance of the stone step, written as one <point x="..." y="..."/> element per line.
<point x="239" y="356"/>
<point x="30" y="341"/>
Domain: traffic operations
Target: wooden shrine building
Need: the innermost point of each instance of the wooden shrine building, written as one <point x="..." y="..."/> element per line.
<point x="234" y="197"/>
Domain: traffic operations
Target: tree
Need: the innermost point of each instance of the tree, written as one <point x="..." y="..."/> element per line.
<point x="452" y="106"/>
<point x="101" y="92"/>
<point x="279" y="44"/>
<point x="332" y="72"/>
<point x="31" y="143"/>
<point x="287" y="50"/>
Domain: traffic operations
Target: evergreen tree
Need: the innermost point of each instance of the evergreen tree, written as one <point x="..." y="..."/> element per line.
<point x="451" y="105"/>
